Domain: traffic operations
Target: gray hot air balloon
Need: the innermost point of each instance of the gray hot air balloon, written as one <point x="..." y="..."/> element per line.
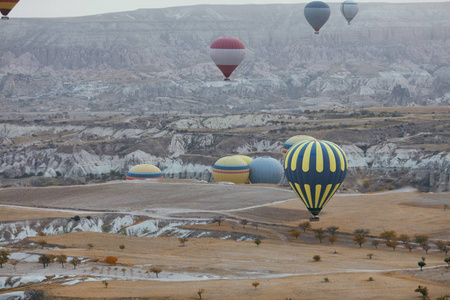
<point x="349" y="9"/>
<point x="317" y="14"/>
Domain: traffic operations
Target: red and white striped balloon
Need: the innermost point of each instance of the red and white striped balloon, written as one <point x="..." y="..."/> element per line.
<point x="227" y="53"/>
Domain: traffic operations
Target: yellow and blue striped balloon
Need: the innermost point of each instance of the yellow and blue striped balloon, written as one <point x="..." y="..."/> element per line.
<point x="315" y="170"/>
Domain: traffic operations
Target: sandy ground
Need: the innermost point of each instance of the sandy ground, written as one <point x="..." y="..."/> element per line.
<point x="226" y="269"/>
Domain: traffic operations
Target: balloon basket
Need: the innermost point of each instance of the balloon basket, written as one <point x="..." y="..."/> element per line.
<point x="227" y="79"/>
<point x="5" y="18"/>
<point x="314" y="219"/>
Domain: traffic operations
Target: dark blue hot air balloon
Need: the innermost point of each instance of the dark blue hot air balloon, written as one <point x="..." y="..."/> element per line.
<point x="317" y="14"/>
<point x="315" y="170"/>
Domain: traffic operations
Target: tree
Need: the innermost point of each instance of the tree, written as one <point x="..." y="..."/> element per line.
<point x="90" y="246"/>
<point x="392" y="244"/>
<point x="410" y="246"/>
<point x="183" y="241"/>
<point x="388" y="235"/>
<point x="370" y="255"/>
<point x="359" y="236"/>
<point x="447" y="260"/>
<point x="4" y="257"/>
<point x="156" y="270"/>
<point x="332" y="238"/>
<point x="320" y="234"/>
<point x="421" y="239"/>
<point x="257" y="242"/>
<point x="75" y="261"/>
<point x="42" y="243"/>
<point x="333" y="230"/>
<point x="305" y="225"/>
<point x="404" y="238"/>
<point x="426" y="247"/>
<point x="421" y="264"/>
<point x="295" y="233"/>
<point x="105" y="283"/>
<point x="112" y="260"/>
<point x="44" y="259"/>
<point x="14" y="263"/>
<point x="122" y="247"/>
<point x="255" y="224"/>
<point x="423" y="290"/>
<point x="244" y="222"/>
<point x="218" y="220"/>
<point x="255" y="284"/>
<point x="62" y="259"/>
<point x="316" y="257"/>
<point x="443" y="246"/>
<point x="375" y="243"/>
<point x="200" y="293"/>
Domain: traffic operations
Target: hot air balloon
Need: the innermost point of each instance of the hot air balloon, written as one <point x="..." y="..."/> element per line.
<point x="315" y="170"/>
<point x="232" y="169"/>
<point x="144" y="171"/>
<point x="245" y="158"/>
<point x="349" y="9"/>
<point x="265" y="170"/>
<point x="317" y="14"/>
<point x="6" y="6"/>
<point x="227" y="53"/>
<point x="294" y="140"/>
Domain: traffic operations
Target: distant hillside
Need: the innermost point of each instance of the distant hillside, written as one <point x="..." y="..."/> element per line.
<point x="391" y="148"/>
<point x="157" y="60"/>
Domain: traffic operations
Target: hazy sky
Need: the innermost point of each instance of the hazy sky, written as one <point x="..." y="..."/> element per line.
<point x="65" y="8"/>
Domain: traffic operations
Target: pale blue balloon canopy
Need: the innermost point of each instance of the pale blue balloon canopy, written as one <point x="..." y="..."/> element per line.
<point x="265" y="170"/>
<point x="349" y="9"/>
<point x="317" y="14"/>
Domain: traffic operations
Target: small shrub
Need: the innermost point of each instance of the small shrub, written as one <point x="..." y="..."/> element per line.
<point x="112" y="260"/>
<point x="326" y="279"/>
<point x="316" y="257"/>
<point x="366" y="183"/>
<point x="370" y="255"/>
<point x="76" y="218"/>
<point x="122" y="247"/>
<point x="423" y="290"/>
<point x="255" y="284"/>
<point x="370" y="279"/>
<point x="257" y="242"/>
<point x="105" y="283"/>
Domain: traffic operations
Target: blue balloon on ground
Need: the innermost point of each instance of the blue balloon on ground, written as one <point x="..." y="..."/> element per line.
<point x="265" y="170"/>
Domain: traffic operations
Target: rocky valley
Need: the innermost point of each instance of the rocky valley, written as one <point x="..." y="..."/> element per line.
<point x="84" y="99"/>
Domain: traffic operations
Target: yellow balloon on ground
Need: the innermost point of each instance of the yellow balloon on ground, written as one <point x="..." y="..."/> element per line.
<point x="231" y="169"/>
<point x="245" y="158"/>
<point x="144" y="171"/>
<point x="294" y="140"/>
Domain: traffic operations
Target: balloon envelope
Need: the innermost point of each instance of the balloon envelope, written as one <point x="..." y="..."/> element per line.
<point x="232" y="169"/>
<point x="245" y="158"/>
<point x="317" y="14"/>
<point x="7" y="5"/>
<point x="227" y="53"/>
<point x="349" y="9"/>
<point x="315" y="170"/>
<point x="144" y="171"/>
<point x="294" y="140"/>
<point x="265" y="170"/>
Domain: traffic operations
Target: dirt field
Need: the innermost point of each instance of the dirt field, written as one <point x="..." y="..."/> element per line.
<point x="226" y="269"/>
